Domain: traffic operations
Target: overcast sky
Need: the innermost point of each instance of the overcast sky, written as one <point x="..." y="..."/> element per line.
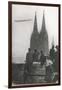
<point x="21" y="31"/>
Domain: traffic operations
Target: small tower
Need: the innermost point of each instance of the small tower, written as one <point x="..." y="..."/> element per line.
<point x="35" y="36"/>
<point x="43" y="37"/>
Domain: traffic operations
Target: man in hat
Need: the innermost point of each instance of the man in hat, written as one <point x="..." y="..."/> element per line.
<point x="35" y="55"/>
<point x="28" y="65"/>
<point x="42" y="58"/>
<point x="29" y="60"/>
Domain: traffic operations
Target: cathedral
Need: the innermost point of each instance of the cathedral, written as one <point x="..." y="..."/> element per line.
<point x="38" y="40"/>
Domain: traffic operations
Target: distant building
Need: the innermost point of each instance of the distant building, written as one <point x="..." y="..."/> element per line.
<point x="38" y="40"/>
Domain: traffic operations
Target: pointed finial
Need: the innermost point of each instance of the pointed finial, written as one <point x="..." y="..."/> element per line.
<point x="35" y="13"/>
<point x="35" y="16"/>
<point x="35" y="23"/>
<point x="43" y="12"/>
<point x="43" y="21"/>
<point x="53" y="42"/>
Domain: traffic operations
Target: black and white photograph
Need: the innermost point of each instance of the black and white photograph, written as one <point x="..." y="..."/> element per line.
<point x="35" y="44"/>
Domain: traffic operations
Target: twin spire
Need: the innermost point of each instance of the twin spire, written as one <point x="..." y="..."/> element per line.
<point x="35" y="29"/>
<point x="38" y="40"/>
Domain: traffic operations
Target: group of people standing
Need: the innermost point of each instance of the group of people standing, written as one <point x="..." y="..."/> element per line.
<point x="49" y="61"/>
<point x="34" y="56"/>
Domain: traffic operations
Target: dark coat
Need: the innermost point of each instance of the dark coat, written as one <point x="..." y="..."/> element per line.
<point x="35" y="56"/>
<point x="42" y="59"/>
<point x="29" y="58"/>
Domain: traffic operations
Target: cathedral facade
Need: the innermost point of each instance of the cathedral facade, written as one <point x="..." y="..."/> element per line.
<point x="38" y="40"/>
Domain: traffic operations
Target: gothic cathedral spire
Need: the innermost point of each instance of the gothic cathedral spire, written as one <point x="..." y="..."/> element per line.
<point x="35" y="29"/>
<point x="35" y="35"/>
<point x="44" y="38"/>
